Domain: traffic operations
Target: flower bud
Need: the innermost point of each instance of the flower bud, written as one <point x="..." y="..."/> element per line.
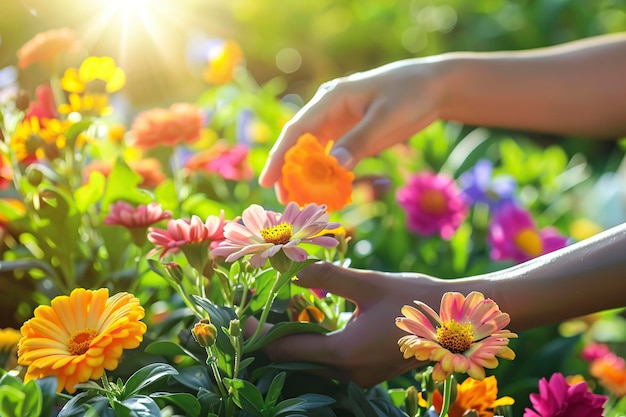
<point x="22" y="101"/>
<point x="411" y="401"/>
<point x="174" y="271"/>
<point x="204" y="332"/>
<point x="280" y="261"/>
<point x="234" y="329"/>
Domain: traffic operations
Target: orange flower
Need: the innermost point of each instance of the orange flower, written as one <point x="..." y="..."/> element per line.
<point x="223" y="59"/>
<point x="149" y="169"/>
<point x="8" y="347"/>
<point x="46" y="46"/>
<point x="35" y="139"/>
<point x="610" y="370"/>
<point x="472" y="394"/>
<point x="311" y="175"/>
<point x="181" y="123"/>
<point x="78" y="336"/>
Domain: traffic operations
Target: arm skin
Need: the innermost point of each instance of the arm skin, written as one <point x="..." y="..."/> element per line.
<point x="582" y="278"/>
<point x="571" y="89"/>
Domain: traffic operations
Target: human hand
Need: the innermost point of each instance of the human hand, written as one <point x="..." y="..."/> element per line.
<point x="366" y="350"/>
<point x="363" y="114"/>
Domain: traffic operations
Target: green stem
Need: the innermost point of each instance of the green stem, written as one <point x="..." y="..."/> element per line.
<point x="212" y="362"/>
<point x="447" y="393"/>
<point x="192" y="306"/>
<point x="107" y="386"/>
<point x="265" y="312"/>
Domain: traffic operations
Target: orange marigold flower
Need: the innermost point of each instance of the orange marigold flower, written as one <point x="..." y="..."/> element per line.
<point x="472" y="394"/>
<point x="311" y="175"/>
<point x="46" y="46"/>
<point x="149" y="169"/>
<point x="180" y="123"/>
<point x="224" y="57"/>
<point x="78" y="336"/>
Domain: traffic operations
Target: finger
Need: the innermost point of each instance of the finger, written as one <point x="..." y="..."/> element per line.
<point x="361" y="287"/>
<point x="281" y="193"/>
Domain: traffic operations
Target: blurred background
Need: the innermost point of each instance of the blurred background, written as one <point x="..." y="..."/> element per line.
<point x="303" y="42"/>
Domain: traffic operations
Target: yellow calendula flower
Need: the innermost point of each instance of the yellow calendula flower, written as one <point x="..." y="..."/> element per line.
<point x="78" y="336"/>
<point x="8" y="347"/>
<point x="223" y="59"/>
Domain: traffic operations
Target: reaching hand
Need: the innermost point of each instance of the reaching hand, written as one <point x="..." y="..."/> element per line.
<point x="363" y="114"/>
<point x="365" y="351"/>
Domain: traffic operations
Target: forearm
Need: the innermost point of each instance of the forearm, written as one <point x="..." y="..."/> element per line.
<point x="583" y="278"/>
<point x="574" y="89"/>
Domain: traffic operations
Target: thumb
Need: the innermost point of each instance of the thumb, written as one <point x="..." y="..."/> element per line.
<point x="359" y="286"/>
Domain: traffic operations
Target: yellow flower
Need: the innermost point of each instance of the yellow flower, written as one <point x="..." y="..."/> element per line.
<point x="93" y="69"/>
<point x="8" y="347"/>
<point x="224" y="58"/>
<point x="311" y="175"/>
<point x="35" y="139"/>
<point x="90" y="104"/>
<point x="78" y="336"/>
<point x="480" y="396"/>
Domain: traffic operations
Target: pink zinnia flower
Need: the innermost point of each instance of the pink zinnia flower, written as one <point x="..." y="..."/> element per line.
<point x="514" y="235"/>
<point x="183" y="232"/>
<point x="230" y="162"/>
<point x="593" y="351"/>
<point x="558" y="399"/>
<point x="265" y="233"/>
<point x="468" y="337"/>
<point x="433" y="204"/>
<point x="124" y="214"/>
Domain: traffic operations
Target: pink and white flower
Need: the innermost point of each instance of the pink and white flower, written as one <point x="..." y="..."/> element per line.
<point x="264" y="233"/>
<point x="467" y="336"/>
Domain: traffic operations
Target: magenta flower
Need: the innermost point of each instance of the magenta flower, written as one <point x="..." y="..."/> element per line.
<point x="124" y="214"/>
<point x="467" y="336"/>
<point x="513" y="235"/>
<point x="265" y="233"/>
<point x="433" y="204"/>
<point x="558" y="399"/>
<point x="182" y="233"/>
<point x="593" y="351"/>
<point x="229" y="162"/>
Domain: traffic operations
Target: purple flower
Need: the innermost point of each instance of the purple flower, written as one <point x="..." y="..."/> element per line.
<point x="513" y="235"/>
<point x="558" y="399"/>
<point x="433" y="204"/>
<point x="480" y="186"/>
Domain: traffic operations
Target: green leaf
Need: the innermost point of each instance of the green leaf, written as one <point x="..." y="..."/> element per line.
<point x="146" y="376"/>
<point x="619" y="409"/>
<point x="290" y="406"/>
<point x="275" y="389"/>
<point x="48" y="387"/>
<point x="246" y="396"/>
<point x="138" y="406"/>
<point x="123" y="184"/>
<point x="33" y="402"/>
<point x="11" y="401"/>
<point x="316" y="400"/>
<point x="186" y="402"/>
<point x="360" y="404"/>
<point x="89" y="194"/>
<point x="193" y="377"/>
<point x="284" y="329"/>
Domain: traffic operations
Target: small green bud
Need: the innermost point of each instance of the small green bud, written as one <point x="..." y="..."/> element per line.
<point x="204" y="332"/>
<point x="411" y="401"/>
<point x="234" y="329"/>
<point x="174" y="271"/>
<point x="280" y="261"/>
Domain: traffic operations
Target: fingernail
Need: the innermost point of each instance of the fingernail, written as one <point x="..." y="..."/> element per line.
<point x="343" y="156"/>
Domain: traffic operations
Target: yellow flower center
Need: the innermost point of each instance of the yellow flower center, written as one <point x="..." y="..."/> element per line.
<point x="278" y="235"/>
<point x="529" y="241"/>
<point x="455" y="337"/>
<point x="433" y="202"/>
<point x="80" y="340"/>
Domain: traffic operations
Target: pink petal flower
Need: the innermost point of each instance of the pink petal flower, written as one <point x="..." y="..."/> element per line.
<point x="124" y="214"/>
<point x="513" y="235"/>
<point x="466" y="336"/>
<point x="263" y="233"/>
<point x="433" y="204"/>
